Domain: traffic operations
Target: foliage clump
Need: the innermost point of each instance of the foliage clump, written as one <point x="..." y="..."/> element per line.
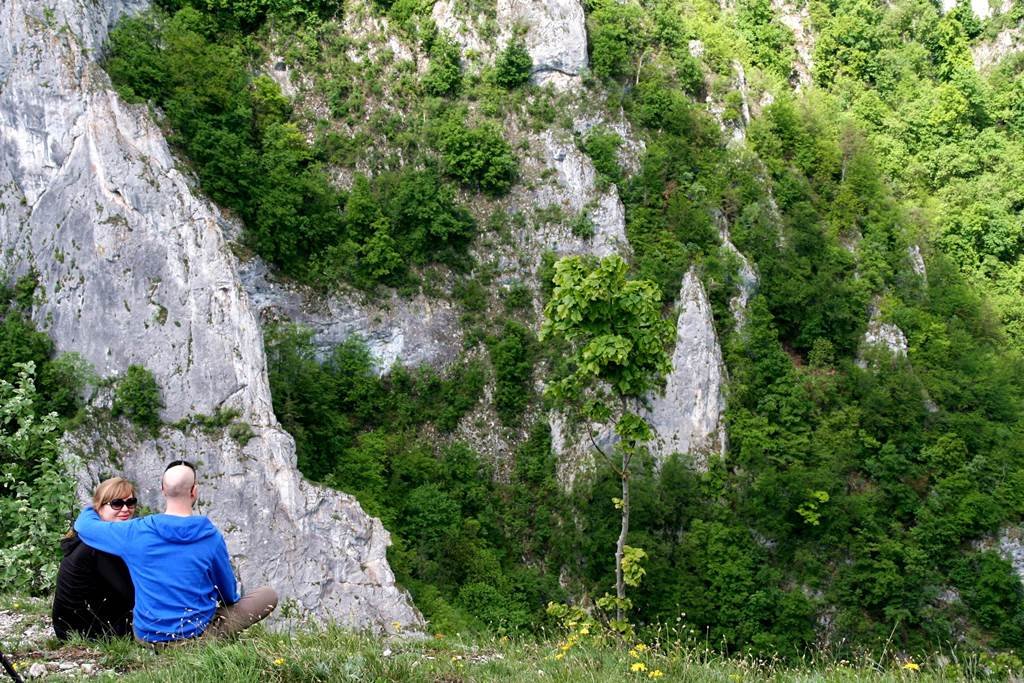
<point x="477" y="156"/>
<point x="137" y="397"/>
<point x="513" y="66"/>
<point x="39" y="394"/>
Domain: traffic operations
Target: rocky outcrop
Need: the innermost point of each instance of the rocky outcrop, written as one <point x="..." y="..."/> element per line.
<point x="567" y="180"/>
<point x="988" y="53"/>
<point x="418" y="331"/>
<point x="983" y="9"/>
<point x="133" y="268"/>
<point x="748" y="280"/>
<point x="881" y="335"/>
<point x="1011" y="546"/>
<point x="797" y="18"/>
<point x="917" y="261"/>
<point x="553" y="30"/>
<point x="687" y="415"/>
<point x="555" y="35"/>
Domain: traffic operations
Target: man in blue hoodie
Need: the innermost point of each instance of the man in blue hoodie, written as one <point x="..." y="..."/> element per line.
<point x="184" y="585"/>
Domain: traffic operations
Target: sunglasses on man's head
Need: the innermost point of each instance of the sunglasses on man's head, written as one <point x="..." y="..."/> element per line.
<point x="175" y="463"/>
<point x="119" y="503"/>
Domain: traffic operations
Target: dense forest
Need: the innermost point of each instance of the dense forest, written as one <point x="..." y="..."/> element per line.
<point x="881" y="181"/>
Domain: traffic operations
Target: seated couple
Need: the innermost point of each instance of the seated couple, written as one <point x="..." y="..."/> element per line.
<point x="166" y="577"/>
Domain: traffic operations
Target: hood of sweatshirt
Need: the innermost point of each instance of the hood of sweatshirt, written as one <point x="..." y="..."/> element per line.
<point x="174" y="529"/>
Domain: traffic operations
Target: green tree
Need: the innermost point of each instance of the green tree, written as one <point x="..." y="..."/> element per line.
<point x="444" y="75"/>
<point x="618" y="340"/>
<point x="512" y="68"/>
<point x="137" y="397"/>
<point x="35" y="490"/>
<point x="479" y="157"/>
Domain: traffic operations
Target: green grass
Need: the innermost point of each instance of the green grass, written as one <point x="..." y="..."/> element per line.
<point x="334" y="654"/>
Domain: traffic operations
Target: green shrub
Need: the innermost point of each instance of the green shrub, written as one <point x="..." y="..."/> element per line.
<point x="478" y="157"/>
<point x="512" y="356"/>
<point x="602" y="146"/>
<point x="137" y="397"/>
<point x="36" y="493"/>
<point x="444" y="75"/>
<point x="513" y="66"/>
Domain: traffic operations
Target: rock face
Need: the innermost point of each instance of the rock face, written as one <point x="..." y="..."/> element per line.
<point x="687" y="416"/>
<point x="917" y="261"/>
<point x="797" y="18"/>
<point x="747" y="275"/>
<point x="573" y="187"/>
<point x="133" y="268"/>
<point x="1011" y="546"/>
<point x="553" y="30"/>
<point x="420" y="331"/>
<point x="988" y="53"/>
<point x="983" y="9"/>
<point x="882" y="335"/>
<point x="556" y="36"/>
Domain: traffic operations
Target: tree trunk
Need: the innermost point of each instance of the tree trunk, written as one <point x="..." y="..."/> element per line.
<point x="620" y="584"/>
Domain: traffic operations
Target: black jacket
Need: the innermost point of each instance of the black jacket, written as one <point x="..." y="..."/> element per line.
<point x="94" y="594"/>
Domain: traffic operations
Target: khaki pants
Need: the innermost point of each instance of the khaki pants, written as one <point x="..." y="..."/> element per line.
<point x="230" y="620"/>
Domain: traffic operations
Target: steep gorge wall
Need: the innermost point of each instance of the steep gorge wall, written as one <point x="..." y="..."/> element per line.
<point x="133" y="268"/>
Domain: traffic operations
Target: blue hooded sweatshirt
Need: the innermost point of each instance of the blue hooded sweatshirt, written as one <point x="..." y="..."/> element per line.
<point x="179" y="566"/>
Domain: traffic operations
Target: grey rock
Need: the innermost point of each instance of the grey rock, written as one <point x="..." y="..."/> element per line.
<point x="556" y="37"/>
<point x="573" y="186"/>
<point x="576" y="446"/>
<point x="988" y="53"/>
<point x="554" y="33"/>
<point x="748" y="279"/>
<point x="1011" y="546"/>
<point x="412" y="332"/>
<point x="797" y="18"/>
<point x="134" y="268"/>
<point x="881" y="335"/>
<point x="983" y="9"/>
<point x="917" y="261"/>
<point x="687" y="415"/>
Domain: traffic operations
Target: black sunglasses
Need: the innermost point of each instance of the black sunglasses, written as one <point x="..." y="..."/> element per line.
<point x="119" y="503"/>
<point x="175" y="463"/>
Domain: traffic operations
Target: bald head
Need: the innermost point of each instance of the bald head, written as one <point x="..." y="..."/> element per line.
<point x="178" y="482"/>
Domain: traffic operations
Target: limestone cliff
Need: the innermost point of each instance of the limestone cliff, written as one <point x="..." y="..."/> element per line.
<point x="687" y="415"/>
<point x="133" y="268"/>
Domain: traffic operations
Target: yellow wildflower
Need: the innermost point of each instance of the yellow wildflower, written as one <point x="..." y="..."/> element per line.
<point x="657" y="673"/>
<point x="640" y="647"/>
<point x="559" y="655"/>
<point x="278" y="662"/>
<point x="638" y="666"/>
<point x="585" y="631"/>
<point x="911" y="666"/>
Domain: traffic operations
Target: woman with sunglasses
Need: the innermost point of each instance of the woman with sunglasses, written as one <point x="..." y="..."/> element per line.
<point x="95" y="594"/>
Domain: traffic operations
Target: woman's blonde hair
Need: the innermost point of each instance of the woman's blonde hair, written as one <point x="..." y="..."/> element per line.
<point x="109" y="489"/>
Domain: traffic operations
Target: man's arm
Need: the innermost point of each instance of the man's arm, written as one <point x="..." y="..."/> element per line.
<point x="223" y="575"/>
<point x="110" y="537"/>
